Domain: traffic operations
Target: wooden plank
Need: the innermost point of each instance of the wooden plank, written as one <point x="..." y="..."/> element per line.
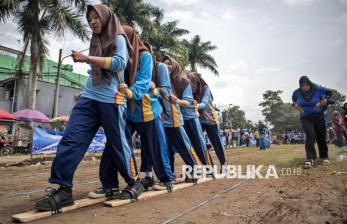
<point x="35" y="215"/>
<point x="150" y="194"/>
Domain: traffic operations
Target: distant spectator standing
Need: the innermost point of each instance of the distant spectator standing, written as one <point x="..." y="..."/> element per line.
<point x="340" y="129"/>
<point x="345" y="117"/>
<point x="238" y="135"/>
<point x="256" y="137"/>
<point x="230" y="138"/>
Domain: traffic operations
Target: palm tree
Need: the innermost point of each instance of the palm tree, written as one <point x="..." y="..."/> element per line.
<point x="38" y="18"/>
<point x="136" y="13"/>
<point x="165" y="40"/>
<point x="198" y="54"/>
<point x="147" y="18"/>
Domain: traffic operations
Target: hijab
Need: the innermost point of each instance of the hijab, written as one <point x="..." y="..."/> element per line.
<point x="137" y="46"/>
<point x="309" y="94"/>
<point x="198" y="85"/>
<point x="178" y="79"/>
<point x="104" y="44"/>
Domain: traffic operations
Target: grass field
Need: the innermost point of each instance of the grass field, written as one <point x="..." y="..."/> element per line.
<point x="284" y="156"/>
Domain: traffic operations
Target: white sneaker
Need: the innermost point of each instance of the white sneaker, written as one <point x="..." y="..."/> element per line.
<point x="160" y="186"/>
<point x="326" y="161"/>
<point x="308" y="164"/>
<point x="98" y="193"/>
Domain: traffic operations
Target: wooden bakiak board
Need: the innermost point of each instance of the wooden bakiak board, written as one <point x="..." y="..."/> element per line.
<point x="35" y="214"/>
<point x="149" y="194"/>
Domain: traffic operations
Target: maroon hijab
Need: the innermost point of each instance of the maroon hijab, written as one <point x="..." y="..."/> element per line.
<point x="137" y="46"/>
<point x="178" y="78"/>
<point x="198" y="85"/>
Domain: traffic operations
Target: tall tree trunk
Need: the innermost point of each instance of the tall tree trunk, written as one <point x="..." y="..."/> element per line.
<point x="192" y="64"/>
<point x="31" y="102"/>
<point x="21" y="59"/>
<point x="34" y="51"/>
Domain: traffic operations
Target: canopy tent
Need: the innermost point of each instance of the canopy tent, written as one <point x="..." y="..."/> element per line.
<point x="6" y="115"/>
<point x="31" y="115"/>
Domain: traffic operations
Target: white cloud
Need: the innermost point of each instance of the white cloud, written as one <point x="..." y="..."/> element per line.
<point x="241" y="65"/>
<point x="298" y="2"/>
<point x="180" y="2"/>
<point x="343" y="18"/>
<point x="230" y="87"/>
<point x="227" y="89"/>
<point x="205" y="15"/>
<point x="180" y="15"/>
<point x="336" y="42"/>
<point x="230" y="94"/>
<point x="229" y="15"/>
<point x="267" y="70"/>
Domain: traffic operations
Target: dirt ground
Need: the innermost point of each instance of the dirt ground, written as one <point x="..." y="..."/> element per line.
<point x="317" y="195"/>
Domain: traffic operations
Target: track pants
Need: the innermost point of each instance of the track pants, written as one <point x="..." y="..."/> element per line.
<point x="314" y="126"/>
<point x="195" y="133"/>
<point x="212" y="131"/>
<point x="154" y="150"/>
<point x="86" y="118"/>
<point x="178" y="139"/>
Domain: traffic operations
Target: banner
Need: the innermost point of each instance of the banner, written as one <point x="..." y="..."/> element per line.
<point x="46" y="141"/>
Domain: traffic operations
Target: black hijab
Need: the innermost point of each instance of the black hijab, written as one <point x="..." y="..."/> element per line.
<point x="309" y="94"/>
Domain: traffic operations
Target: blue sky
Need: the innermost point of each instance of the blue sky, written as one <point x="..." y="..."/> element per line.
<point x="262" y="45"/>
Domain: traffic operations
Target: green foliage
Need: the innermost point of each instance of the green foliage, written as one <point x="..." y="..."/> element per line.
<point x="282" y="116"/>
<point x="164" y="36"/>
<point x="234" y="117"/>
<point x="136" y="13"/>
<point x="198" y="54"/>
<point x="44" y="18"/>
<point x="37" y="19"/>
<point x="165" y="41"/>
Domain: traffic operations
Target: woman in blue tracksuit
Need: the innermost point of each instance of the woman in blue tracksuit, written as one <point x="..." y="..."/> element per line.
<point x="208" y="115"/>
<point x="101" y="104"/>
<point x="184" y="97"/>
<point x="173" y="121"/>
<point x="311" y="101"/>
<point x="144" y="112"/>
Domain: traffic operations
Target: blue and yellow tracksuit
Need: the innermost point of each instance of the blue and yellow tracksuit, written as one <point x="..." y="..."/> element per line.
<point x="209" y="122"/>
<point x="193" y="127"/>
<point x="99" y="105"/>
<point x="176" y="135"/>
<point x="144" y="112"/>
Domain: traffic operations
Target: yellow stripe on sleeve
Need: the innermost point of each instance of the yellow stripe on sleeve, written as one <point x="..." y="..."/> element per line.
<point x="131" y="94"/>
<point x="107" y="63"/>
